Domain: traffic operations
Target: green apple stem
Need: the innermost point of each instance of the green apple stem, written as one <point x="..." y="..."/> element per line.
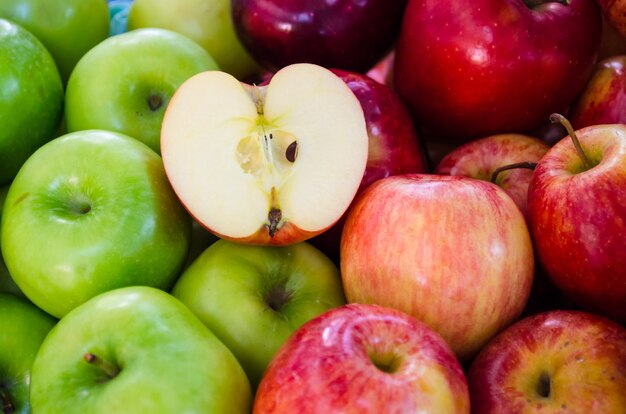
<point x="111" y="370"/>
<point x="5" y="399"/>
<point x="154" y="102"/>
<point x="527" y="165"/>
<point x="554" y="118"/>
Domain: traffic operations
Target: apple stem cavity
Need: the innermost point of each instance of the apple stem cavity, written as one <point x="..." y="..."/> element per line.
<point x="155" y="101"/>
<point x="526" y="164"/>
<point x="531" y="4"/>
<point x="7" y="404"/>
<point x="277" y="297"/>
<point x="387" y="363"/>
<point x="543" y="385"/>
<point x="274" y="217"/>
<point x="558" y="118"/>
<point x="110" y="370"/>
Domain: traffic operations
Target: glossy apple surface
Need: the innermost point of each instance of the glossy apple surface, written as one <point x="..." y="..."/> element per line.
<point x="344" y="34"/>
<point x="558" y="361"/>
<point x="454" y="252"/>
<point x="502" y="66"/>
<point x="6" y="281"/>
<point x="89" y="212"/>
<point x="363" y="359"/>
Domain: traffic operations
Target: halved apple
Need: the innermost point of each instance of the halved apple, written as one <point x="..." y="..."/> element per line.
<point x="273" y="164"/>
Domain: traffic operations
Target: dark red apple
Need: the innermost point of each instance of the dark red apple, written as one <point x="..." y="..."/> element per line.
<point x="615" y="12"/>
<point x="345" y="34"/>
<point x="496" y="66"/>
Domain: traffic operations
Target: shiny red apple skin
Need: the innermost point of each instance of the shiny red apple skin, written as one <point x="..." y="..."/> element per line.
<point x="453" y="252"/>
<point x="495" y="67"/>
<point x="394" y="145"/>
<point x="327" y="366"/>
<point x="583" y="356"/>
<point x="615" y="12"/>
<point x="578" y="219"/>
<point x="344" y="34"/>
<point x="603" y="101"/>
<point x="382" y="71"/>
<point x="480" y="158"/>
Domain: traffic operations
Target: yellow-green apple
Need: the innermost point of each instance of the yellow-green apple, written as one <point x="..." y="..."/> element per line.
<point x="89" y="212"/>
<point x="482" y="158"/>
<point x="136" y="350"/>
<point x="253" y="297"/>
<point x="274" y="164"/>
<point x="500" y="66"/>
<point x="6" y="281"/>
<point x="343" y="34"/>
<point x="454" y="252"/>
<point x="603" y="101"/>
<point x="31" y="102"/>
<point x="207" y="22"/>
<point x="553" y="362"/>
<point x="394" y="146"/>
<point x="363" y="359"/>
<point x="23" y="328"/>
<point x="67" y="28"/>
<point x="577" y="211"/>
<point x="615" y="13"/>
<point x="125" y="83"/>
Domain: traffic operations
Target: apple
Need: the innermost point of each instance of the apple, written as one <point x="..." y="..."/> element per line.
<point x="558" y="361"/>
<point x="207" y="22"/>
<point x="273" y="164"/>
<point x="125" y="83"/>
<point x="23" y="328"/>
<point x="482" y="158"/>
<point x="67" y="28"/>
<point x="136" y="350"/>
<point x="6" y="281"/>
<point x="576" y="210"/>
<point x="363" y="359"/>
<point x="31" y="102"/>
<point x="89" y="212"/>
<point x="382" y="72"/>
<point x="615" y="13"/>
<point x="394" y="146"/>
<point x="453" y="252"/>
<point x="500" y="66"/>
<point x="253" y="297"/>
<point x="612" y="42"/>
<point x="603" y="101"/>
<point x="344" y="34"/>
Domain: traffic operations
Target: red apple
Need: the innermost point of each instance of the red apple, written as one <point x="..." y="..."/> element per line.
<point x="612" y="43"/>
<point x="345" y="34"/>
<point x="454" y="252"/>
<point x="554" y="362"/>
<point x="577" y="216"/>
<point x="382" y="71"/>
<point x="363" y="359"/>
<point x="495" y="67"/>
<point x="615" y="12"/>
<point x="603" y="101"/>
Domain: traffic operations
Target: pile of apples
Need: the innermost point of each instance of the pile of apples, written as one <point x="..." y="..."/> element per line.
<point x="313" y="206"/>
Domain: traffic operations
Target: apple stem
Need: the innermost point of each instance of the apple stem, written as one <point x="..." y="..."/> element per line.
<point x="554" y="118"/>
<point x="527" y="165"/>
<point x="154" y="102"/>
<point x="110" y="369"/>
<point x="7" y="404"/>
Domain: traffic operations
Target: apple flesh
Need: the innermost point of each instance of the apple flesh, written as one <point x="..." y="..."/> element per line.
<point x="363" y="359"/>
<point x="558" y="361"/>
<point x="273" y="164"/>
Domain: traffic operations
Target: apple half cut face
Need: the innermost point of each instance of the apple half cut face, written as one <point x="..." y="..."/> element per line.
<point x="274" y="164"/>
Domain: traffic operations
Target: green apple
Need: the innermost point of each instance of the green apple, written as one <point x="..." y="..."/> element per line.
<point x="125" y="83"/>
<point x="23" y="328"/>
<point x="136" y="350"/>
<point x="208" y="22"/>
<point x="254" y="297"/>
<point x="6" y="281"/>
<point x="89" y="212"/>
<point x="68" y="28"/>
<point x="31" y="97"/>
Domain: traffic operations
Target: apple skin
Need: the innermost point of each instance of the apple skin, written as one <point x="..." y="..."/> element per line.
<point x="453" y="252"/>
<point x="580" y="355"/>
<point x="497" y="67"/>
<point x="603" y="101"/>
<point x="89" y="212"/>
<point x="23" y="328"/>
<point x="68" y="28"/>
<point x="254" y="297"/>
<point x="394" y="146"/>
<point x="168" y="360"/>
<point x="31" y="103"/>
<point x="344" y="34"/>
<point x="382" y="71"/>
<point x="113" y="84"/>
<point x="363" y="359"/>
<point x="480" y="158"/>
<point x="6" y="281"/>
<point x="207" y="22"/>
<point x="615" y="13"/>
<point x="576" y="219"/>
<point x="612" y="42"/>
